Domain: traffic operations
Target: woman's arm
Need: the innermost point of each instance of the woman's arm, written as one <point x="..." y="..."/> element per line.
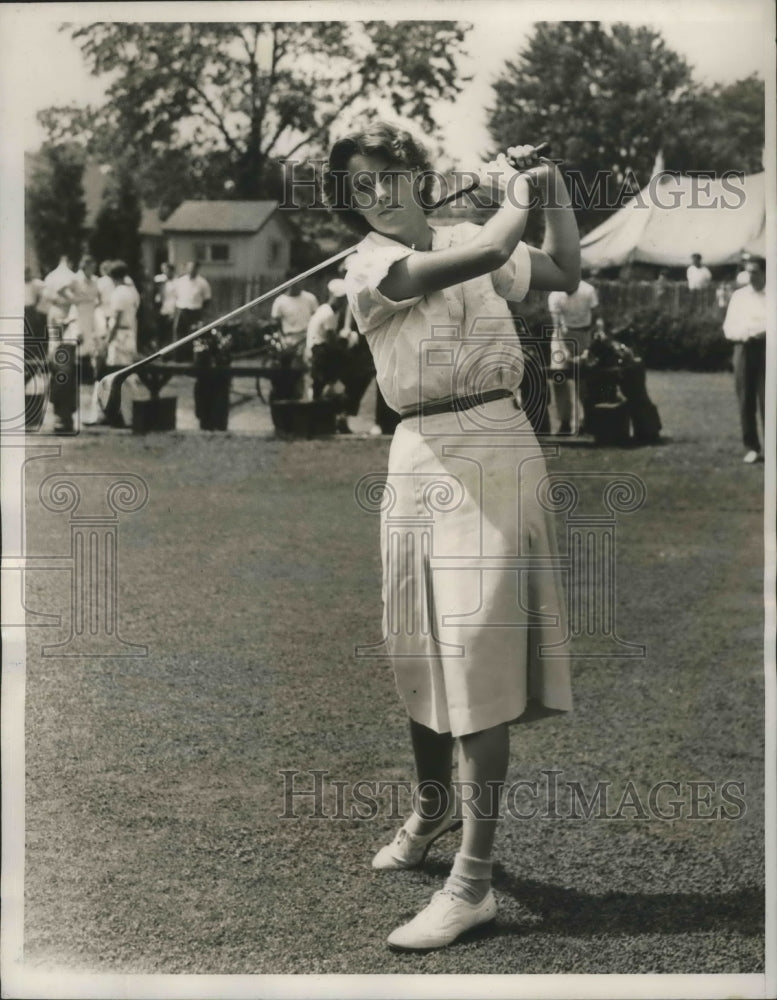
<point x="556" y="265"/>
<point x="424" y="272"/>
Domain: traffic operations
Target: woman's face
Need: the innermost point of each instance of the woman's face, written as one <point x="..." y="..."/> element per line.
<point x="385" y="194"/>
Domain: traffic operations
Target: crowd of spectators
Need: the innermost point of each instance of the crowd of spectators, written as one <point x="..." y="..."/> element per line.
<point x="97" y="310"/>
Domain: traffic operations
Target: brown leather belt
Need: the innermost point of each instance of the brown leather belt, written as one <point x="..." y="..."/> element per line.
<point x="456" y="404"/>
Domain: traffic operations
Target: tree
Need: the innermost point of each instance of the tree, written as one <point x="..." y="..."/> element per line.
<point x="115" y="233"/>
<point x="724" y="129"/>
<point x="609" y="98"/>
<point x="54" y="204"/>
<point x="230" y="100"/>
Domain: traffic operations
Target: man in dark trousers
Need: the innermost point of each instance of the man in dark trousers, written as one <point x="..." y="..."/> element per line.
<point x="745" y="325"/>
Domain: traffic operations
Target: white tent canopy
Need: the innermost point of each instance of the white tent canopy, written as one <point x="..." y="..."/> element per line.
<point x="674" y="217"/>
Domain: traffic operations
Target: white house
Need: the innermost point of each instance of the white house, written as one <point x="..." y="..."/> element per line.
<point x="230" y="239"/>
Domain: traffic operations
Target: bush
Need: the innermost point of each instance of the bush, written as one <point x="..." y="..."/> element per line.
<point x="692" y="341"/>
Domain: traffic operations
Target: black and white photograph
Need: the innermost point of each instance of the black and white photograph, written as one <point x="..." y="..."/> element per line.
<point x="387" y="437"/>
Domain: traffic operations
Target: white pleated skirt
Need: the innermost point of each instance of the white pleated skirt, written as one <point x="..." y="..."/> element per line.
<point x="474" y="607"/>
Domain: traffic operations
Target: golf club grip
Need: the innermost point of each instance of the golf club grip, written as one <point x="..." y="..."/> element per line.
<point x="542" y="148"/>
<point x="123" y="373"/>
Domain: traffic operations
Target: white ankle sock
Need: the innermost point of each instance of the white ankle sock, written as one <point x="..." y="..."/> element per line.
<point x="470" y="878"/>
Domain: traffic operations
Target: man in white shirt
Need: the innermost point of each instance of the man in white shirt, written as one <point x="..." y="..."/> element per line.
<point x="573" y="315"/>
<point x="698" y="276"/>
<point x="165" y="300"/>
<point x="745" y="326"/>
<point x="294" y="310"/>
<point x="192" y="295"/>
<point x="323" y="324"/>
<point x="743" y="275"/>
<point x="57" y="290"/>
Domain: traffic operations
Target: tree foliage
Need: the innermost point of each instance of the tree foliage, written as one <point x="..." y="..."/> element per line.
<point x="54" y="204"/>
<point x="724" y="129"/>
<point x="209" y="109"/>
<point x="609" y="98"/>
<point x="115" y="234"/>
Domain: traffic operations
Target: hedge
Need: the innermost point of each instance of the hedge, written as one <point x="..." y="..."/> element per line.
<point x="691" y="341"/>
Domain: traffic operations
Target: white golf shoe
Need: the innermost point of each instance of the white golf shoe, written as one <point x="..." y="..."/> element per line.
<point x="408" y="850"/>
<point x="442" y="921"/>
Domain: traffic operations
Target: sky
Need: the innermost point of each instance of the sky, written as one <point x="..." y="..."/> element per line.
<point x="723" y="40"/>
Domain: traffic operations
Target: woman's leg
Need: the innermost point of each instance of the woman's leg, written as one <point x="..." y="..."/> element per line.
<point x="467" y="900"/>
<point x="434" y="763"/>
<point x="483" y="760"/>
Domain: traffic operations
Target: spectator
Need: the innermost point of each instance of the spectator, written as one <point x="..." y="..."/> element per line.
<point x="164" y="304"/>
<point x="192" y="295"/>
<point x="62" y="353"/>
<point x="122" y="335"/>
<point x="326" y="350"/>
<point x="57" y="290"/>
<point x="35" y="307"/>
<point x="743" y="275"/>
<point x="745" y="325"/>
<point x="573" y="315"/>
<point x="293" y="310"/>
<point x="105" y="283"/>
<point x="324" y="325"/>
<point x="697" y="275"/>
<point x="122" y="317"/>
<point x="105" y="290"/>
<point x="661" y="285"/>
<point x="86" y="297"/>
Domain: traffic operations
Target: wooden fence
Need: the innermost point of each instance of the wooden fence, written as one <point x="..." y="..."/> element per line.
<point x="673" y="297"/>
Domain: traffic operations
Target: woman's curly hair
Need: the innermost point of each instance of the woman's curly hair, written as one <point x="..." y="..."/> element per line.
<point x="379" y="138"/>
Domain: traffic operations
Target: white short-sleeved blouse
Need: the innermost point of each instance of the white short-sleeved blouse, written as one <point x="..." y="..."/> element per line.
<point x="449" y="343"/>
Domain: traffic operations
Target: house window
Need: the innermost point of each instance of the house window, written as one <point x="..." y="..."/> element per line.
<point x="212" y="253"/>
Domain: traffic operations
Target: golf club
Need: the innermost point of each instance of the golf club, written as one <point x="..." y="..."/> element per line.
<point x="109" y="387"/>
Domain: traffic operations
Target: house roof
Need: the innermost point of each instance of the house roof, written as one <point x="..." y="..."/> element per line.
<point x="220" y="216"/>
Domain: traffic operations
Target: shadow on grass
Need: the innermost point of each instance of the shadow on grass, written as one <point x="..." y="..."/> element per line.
<point x="571" y="913"/>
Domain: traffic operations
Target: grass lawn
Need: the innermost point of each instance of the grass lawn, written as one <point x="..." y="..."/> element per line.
<point x="154" y="785"/>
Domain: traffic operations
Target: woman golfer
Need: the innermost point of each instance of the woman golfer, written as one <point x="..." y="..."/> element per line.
<point x="473" y="602"/>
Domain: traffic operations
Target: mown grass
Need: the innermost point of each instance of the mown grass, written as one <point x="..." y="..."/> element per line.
<point x="154" y="784"/>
